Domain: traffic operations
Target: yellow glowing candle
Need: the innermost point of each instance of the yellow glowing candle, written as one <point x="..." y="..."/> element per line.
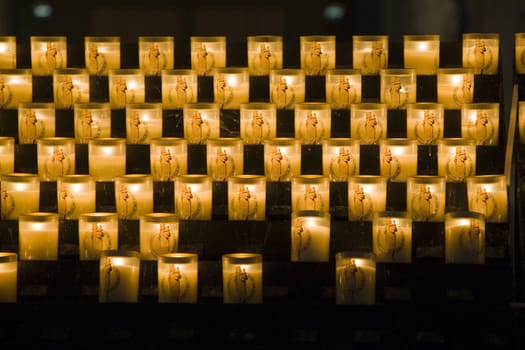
<point x="168" y="157"/>
<point x="368" y="122"/>
<point x="8" y="277"/>
<point x="7" y="154"/>
<point x="231" y="87"/>
<point x="107" y="158"/>
<point x="258" y="122"/>
<point x="310" y="192"/>
<point x="366" y="195"/>
<point x="426" y="197"/>
<point x="481" y="52"/>
<point x="36" y="120"/>
<point x="310" y="236"/>
<point x="398" y="87"/>
<point x="421" y="52"/>
<point x="193" y="196"/>
<point x="398" y="158"/>
<point x="76" y="194"/>
<point x="455" y="86"/>
<point x="159" y="234"/>
<point x="48" y="53"/>
<point x="343" y="87"/>
<point x="201" y="122"/>
<point x="287" y="87"/>
<point x="16" y="86"/>
<point x="392" y="236"/>
<point x="179" y="86"/>
<point x="282" y="158"/>
<point x="487" y="194"/>
<point x="480" y="121"/>
<point x="265" y="52"/>
<point x="97" y="231"/>
<point x="225" y="157"/>
<point x="133" y="195"/>
<point x="101" y="53"/>
<point x="370" y="53"/>
<point x="92" y="120"/>
<point x="242" y="275"/>
<point x="70" y="86"/>
<point x="126" y="86"/>
<point x="119" y="276"/>
<point x="355" y="278"/>
<point x="177" y="275"/>
<point x="207" y="53"/>
<point x="456" y="159"/>
<point x="7" y="52"/>
<point x="519" y="52"/>
<point x="464" y="238"/>
<point x="340" y="158"/>
<point x="20" y="194"/>
<point x="317" y="53"/>
<point x="312" y="122"/>
<point x="425" y="122"/>
<point x="56" y="157"/>
<point x="143" y="122"/>
<point x="247" y="197"/>
<point x="38" y="236"/>
<point x="156" y="53"/>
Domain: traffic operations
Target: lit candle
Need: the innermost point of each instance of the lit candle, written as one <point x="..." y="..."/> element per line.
<point x="193" y="196"/>
<point x="258" y="122"/>
<point x="179" y="86"/>
<point x="480" y="121"/>
<point x="36" y="120"/>
<point x="20" y="194"/>
<point x="355" y="278"/>
<point x="92" y="120"/>
<point x="265" y="52"/>
<point x="481" y="52"/>
<point x="455" y="86"/>
<point x="7" y="154"/>
<point x="317" y="53"/>
<point x="312" y="122"/>
<point x="487" y="194"/>
<point x="156" y="53"/>
<point x="107" y="158"/>
<point x="97" y="231"/>
<point x="168" y="157"/>
<point x="231" y="87"/>
<point x="8" y="277"/>
<point x="464" y="238"/>
<point x="343" y="87"/>
<point x="426" y="197"/>
<point x="207" y="53"/>
<point x="310" y="192"/>
<point x="70" y="86"/>
<point x="159" y="234"/>
<point x="201" y="122"/>
<point x="392" y="236"/>
<point x="398" y="87"/>
<point x="8" y="52"/>
<point x="340" y="158"/>
<point x="421" y="52"/>
<point x="48" y="53"/>
<point x="519" y="52"/>
<point x="225" y="157"/>
<point x="101" y="53"/>
<point x="38" y="236"/>
<point x="456" y="159"/>
<point x="16" y="86"/>
<point x="368" y="122"/>
<point x="282" y="158"/>
<point x="56" y="157"/>
<point x="76" y="194"/>
<point x="133" y="195"/>
<point x="366" y="195"/>
<point x="425" y="122"/>
<point x="370" y="53"/>
<point x="287" y="87"/>
<point x="119" y="276"/>
<point x="143" y="122"/>
<point x="398" y="158"/>
<point x="247" y="197"/>
<point x="242" y="275"/>
<point x="177" y="275"/>
<point x="126" y="86"/>
<point x="310" y="236"/>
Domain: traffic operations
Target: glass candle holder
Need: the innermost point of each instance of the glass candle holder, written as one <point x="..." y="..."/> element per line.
<point x="398" y="158"/>
<point x="207" y="53"/>
<point x="521" y="121"/>
<point x="201" y="122"/>
<point x="480" y="121"/>
<point x="464" y="238"/>
<point x="76" y="194"/>
<point x="177" y="275"/>
<point x="101" y="53"/>
<point x="7" y="52"/>
<point x="56" y="157"/>
<point x="519" y="53"/>
<point x="317" y="53"/>
<point x="119" y="276"/>
<point x="282" y="158"/>
<point x="355" y="278"/>
<point x="70" y="86"/>
<point x="159" y="234"/>
<point x="312" y="122"/>
<point x="242" y="278"/>
<point x="258" y="122"/>
<point x="143" y="122"/>
<point x="421" y="52"/>
<point x="343" y="87"/>
<point x="92" y="120"/>
<point x="310" y="236"/>
<point x="8" y="277"/>
<point x="107" y="158"/>
<point x="480" y="51"/>
<point x="7" y="154"/>
<point x="179" y="86"/>
<point x="426" y="198"/>
<point x="340" y="158"/>
<point x="36" y="120"/>
<point x="368" y="122"/>
<point x="38" y="236"/>
<point x="366" y="196"/>
<point x="455" y="86"/>
<point x="16" y="87"/>
<point x="126" y="86"/>
<point x="231" y="87"/>
<point x="225" y="157"/>
<point x="97" y="231"/>
<point x="287" y="87"/>
<point x="425" y="122"/>
<point x="20" y="194"/>
<point x="47" y="54"/>
<point x="392" y="236"/>
<point x="156" y="53"/>
<point x="398" y="87"/>
<point x="133" y="195"/>
<point x="247" y="198"/>
<point x="456" y="159"/>
<point x="265" y="52"/>
<point x="193" y="196"/>
<point x="487" y="194"/>
<point x="168" y="158"/>
<point x="310" y="192"/>
<point x="370" y="53"/>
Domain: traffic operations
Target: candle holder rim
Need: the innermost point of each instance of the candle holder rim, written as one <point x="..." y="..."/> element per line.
<point x="112" y="72"/>
<point x="39" y="216"/>
<point x="488" y="178"/>
<point x="201" y="177"/>
<point x="155" y="38"/>
<point x="402" y="214"/>
<point x="159" y="217"/>
<point x="92" y="105"/>
<point x="480" y="35"/>
<point x="75" y="178"/>
<point x="119" y="253"/>
<point x="95" y="216"/>
<point x="242" y="258"/>
<point x="16" y="175"/>
<point x="70" y="70"/>
<point x="178" y="71"/>
<point x="366" y="37"/>
<point x="48" y="38"/>
<point x="247" y="178"/>
<point x="178" y="257"/>
<point x="6" y="257"/>
<point x="455" y="70"/>
<point x="144" y="106"/>
<point x="265" y="37"/>
<point x="466" y="214"/>
<point x="425" y="105"/>
<point x="356" y="254"/>
<point x="321" y="214"/>
<point x="16" y="71"/>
